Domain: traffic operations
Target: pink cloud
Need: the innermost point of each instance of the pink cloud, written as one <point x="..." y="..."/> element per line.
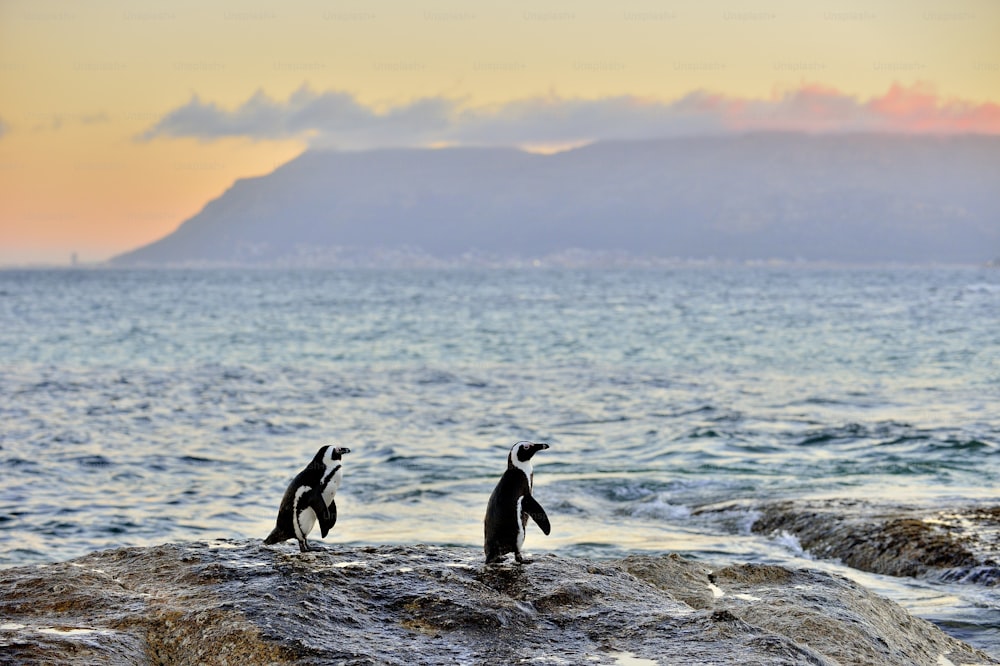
<point x="918" y="109"/>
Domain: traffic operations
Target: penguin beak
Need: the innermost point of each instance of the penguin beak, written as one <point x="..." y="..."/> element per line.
<point x="540" y="446"/>
<point x="342" y="450"/>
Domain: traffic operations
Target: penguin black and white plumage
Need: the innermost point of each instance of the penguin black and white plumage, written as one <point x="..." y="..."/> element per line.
<point x="309" y="497"/>
<point x="511" y="503"/>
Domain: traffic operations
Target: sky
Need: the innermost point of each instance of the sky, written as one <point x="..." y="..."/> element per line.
<point x="120" y="119"/>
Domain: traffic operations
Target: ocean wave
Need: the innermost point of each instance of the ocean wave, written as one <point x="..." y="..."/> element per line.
<point x="791" y="543"/>
<point x="659" y="509"/>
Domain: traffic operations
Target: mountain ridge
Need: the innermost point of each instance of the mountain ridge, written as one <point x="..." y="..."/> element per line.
<point x="844" y="198"/>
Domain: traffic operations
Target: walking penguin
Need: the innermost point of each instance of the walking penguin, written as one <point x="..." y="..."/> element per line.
<point x="309" y="498"/>
<point x="510" y="505"/>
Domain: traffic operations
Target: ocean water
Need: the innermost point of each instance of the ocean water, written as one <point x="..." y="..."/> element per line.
<point x="140" y="407"/>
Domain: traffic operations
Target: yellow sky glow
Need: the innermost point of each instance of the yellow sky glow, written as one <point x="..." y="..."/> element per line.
<point x="80" y="81"/>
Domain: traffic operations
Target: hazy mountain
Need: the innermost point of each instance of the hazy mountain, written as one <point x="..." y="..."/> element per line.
<point x="854" y="198"/>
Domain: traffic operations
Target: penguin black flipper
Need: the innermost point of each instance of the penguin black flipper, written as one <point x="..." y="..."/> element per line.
<point x="531" y="507"/>
<point x="317" y="504"/>
<point x="327" y="522"/>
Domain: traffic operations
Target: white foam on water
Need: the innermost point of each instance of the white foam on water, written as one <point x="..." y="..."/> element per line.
<point x="791" y="542"/>
<point x="661" y="509"/>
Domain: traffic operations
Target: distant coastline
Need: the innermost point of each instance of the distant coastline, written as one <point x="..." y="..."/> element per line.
<point x="872" y="199"/>
<point x="569" y="260"/>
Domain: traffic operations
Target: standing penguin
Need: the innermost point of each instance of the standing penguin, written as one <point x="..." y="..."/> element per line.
<point x="511" y="503"/>
<point x="310" y="497"/>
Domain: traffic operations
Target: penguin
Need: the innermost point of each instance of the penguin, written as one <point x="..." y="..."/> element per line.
<point x="510" y="505"/>
<point x="310" y="497"/>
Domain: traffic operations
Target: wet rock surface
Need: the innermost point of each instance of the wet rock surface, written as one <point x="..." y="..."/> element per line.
<point x="231" y="602"/>
<point x="954" y="544"/>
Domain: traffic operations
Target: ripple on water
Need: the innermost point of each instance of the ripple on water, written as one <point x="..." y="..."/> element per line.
<point x="92" y="461"/>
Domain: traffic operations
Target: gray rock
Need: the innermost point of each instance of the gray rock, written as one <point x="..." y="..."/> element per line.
<point x="232" y="602"/>
<point x="958" y="544"/>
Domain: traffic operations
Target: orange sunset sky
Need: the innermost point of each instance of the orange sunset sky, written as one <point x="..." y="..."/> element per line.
<point x="118" y="120"/>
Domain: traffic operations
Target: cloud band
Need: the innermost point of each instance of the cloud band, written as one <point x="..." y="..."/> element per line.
<point x="338" y="119"/>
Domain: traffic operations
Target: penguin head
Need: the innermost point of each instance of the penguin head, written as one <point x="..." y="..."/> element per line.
<point x="522" y="452"/>
<point x="327" y="454"/>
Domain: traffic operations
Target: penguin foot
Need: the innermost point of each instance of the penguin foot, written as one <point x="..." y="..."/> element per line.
<point x="493" y="557"/>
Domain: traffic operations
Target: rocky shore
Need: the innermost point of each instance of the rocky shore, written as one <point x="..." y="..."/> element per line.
<point x="229" y="602"/>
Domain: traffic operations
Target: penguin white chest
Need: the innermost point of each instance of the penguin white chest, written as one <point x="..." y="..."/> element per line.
<point x="332" y="484"/>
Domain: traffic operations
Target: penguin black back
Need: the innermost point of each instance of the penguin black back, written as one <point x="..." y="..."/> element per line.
<point x="309" y="498"/>
<point x="511" y="504"/>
